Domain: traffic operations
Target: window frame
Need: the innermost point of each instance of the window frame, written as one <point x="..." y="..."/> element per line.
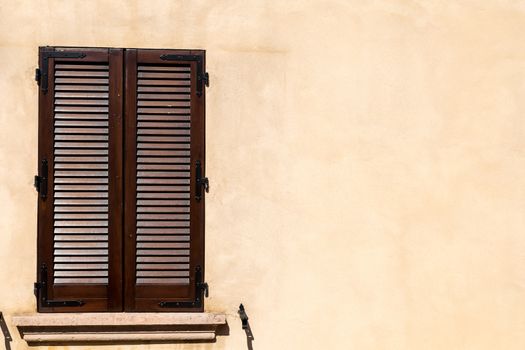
<point x="121" y="289"/>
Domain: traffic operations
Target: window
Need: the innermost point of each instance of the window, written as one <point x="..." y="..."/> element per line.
<point x="121" y="180"/>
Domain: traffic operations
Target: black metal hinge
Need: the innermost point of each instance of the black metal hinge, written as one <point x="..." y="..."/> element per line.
<point x="41" y="179"/>
<point x="201" y="291"/>
<point x="5" y="331"/>
<point x="41" y="293"/>
<point x="38" y="75"/>
<point x="203" y="79"/>
<point x="201" y="182"/>
<point x="41" y="74"/>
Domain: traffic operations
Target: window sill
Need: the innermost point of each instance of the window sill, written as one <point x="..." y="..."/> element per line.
<point x="61" y="328"/>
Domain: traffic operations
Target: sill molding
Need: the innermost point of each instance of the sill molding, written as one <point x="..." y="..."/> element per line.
<point x="70" y="328"/>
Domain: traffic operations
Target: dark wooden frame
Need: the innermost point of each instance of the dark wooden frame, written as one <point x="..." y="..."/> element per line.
<point x="121" y="293"/>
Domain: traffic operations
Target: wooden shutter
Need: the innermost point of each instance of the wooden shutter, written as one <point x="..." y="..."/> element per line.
<point x="80" y="180"/>
<point x="164" y="209"/>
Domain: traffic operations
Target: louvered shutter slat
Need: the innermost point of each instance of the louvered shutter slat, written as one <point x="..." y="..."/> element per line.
<point x="79" y="129"/>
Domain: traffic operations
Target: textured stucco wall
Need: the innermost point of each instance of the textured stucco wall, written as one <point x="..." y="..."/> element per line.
<point x="367" y="163"/>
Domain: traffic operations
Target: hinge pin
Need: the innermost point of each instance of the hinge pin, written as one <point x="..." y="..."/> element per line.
<point x="205" y="77"/>
<point x="38" y="75"/>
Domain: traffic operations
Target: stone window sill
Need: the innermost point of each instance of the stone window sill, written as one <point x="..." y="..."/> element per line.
<point x="70" y="328"/>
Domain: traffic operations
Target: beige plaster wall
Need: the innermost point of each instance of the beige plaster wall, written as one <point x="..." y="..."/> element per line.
<point x="367" y="163"/>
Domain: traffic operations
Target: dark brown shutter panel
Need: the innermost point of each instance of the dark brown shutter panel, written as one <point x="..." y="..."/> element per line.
<point x="164" y="143"/>
<point x="80" y="138"/>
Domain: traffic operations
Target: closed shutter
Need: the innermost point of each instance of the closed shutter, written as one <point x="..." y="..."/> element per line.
<point x="80" y="180"/>
<point x="164" y="207"/>
<point x="121" y="180"/>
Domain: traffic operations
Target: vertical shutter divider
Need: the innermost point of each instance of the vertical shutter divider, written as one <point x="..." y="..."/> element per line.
<point x="130" y="64"/>
<point x="116" y="179"/>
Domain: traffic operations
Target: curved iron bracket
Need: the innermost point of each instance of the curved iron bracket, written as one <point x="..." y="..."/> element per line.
<point x="246" y="326"/>
<point x="5" y="331"/>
